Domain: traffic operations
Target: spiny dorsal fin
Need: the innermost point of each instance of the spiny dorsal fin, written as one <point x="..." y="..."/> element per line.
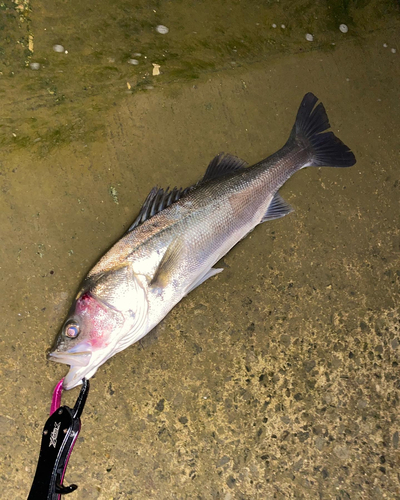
<point x="223" y="164"/>
<point x="157" y="200"/>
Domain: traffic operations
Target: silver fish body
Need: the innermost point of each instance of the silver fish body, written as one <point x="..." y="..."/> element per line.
<point x="176" y="240"/>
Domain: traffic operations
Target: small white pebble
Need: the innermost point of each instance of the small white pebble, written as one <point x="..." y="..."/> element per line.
<point x="393" y="51"/>
<point x="309" y="37"/>
<point x="34" y="65"/>
<point x="65" y="51"/>
<point x="137" y="54"/>
<point x="162" y="29"/>
<point x="135" y="62"/>
<point x="274" y="25"/>
<point x="385" y="45"/>
<point x="58" y="48"/>
<point x="347" y="79"/>
<point x="343" y="28"/>
<point x="283" y="26"/>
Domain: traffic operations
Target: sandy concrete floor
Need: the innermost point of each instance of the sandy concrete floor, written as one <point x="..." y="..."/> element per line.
<point x="277" y="379"/>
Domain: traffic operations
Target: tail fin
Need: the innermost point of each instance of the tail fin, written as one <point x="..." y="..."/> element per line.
<point x="310" y="130"/>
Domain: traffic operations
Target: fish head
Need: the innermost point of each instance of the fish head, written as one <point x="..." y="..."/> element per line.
<point x="107" y="315"/>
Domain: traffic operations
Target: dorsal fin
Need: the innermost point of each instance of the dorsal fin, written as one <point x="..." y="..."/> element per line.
<point x="157" y="200"/>
<point x="223" y="164"/>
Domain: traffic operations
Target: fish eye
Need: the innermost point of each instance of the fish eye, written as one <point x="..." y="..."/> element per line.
<point x="72" y="330"/>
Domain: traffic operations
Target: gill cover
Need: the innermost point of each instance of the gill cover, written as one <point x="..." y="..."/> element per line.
<point x="122" y="291"/>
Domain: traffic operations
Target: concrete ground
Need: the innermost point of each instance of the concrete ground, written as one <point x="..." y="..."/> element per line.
<point x="277" y="379"/>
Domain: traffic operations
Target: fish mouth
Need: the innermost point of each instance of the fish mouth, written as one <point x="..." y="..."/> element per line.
<point x="79" y="355"/>
<point x="79" y="367"/>
<point x="81" y="358"/>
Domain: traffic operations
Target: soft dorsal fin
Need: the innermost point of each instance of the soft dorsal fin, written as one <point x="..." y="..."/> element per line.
<point x="223" y="164"/>
<point x="157" y="200"/>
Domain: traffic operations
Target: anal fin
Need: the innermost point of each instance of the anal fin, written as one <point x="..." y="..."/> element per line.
<point x="202" y="278"/>
<point x="277" y="208"/>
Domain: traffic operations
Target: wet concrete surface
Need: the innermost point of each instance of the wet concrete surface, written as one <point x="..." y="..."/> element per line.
<point x="277" y="379"/>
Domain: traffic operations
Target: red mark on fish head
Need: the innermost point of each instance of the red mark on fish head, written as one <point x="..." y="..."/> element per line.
<point x="98" y="322"/>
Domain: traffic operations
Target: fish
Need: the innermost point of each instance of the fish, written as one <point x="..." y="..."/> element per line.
<point x="177" y="238"/>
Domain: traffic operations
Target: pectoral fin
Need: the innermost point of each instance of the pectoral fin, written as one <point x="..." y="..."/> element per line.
<point x="169" y="263"/>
